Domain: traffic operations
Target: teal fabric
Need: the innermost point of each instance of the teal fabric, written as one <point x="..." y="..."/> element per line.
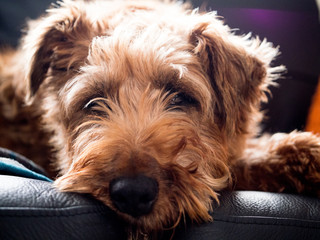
<point x="11" y="167"/>
<point x="12" y="163"/>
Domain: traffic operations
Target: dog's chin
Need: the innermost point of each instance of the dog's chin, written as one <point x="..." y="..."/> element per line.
<point x="159" y="219"/>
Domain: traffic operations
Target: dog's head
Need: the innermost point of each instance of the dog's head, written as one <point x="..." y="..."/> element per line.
<point x="147" y="102"/>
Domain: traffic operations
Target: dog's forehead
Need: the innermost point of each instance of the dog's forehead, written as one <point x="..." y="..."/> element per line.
<point x="150" y="55"/>
<point x="144" y="49"/>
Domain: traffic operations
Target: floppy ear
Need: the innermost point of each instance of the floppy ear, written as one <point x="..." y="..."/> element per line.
<point x="239" y="71"/>
<point x="57" y="44"/>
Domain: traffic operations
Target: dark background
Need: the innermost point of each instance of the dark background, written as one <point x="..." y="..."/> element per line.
<point x="294" y="26"/>
<point x="291" y="24"/>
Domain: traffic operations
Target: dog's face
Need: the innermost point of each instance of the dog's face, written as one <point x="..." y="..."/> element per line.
<point x="147" y="104"/>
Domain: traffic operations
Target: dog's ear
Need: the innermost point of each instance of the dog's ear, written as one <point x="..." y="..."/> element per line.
<point x="239" y="71"/>
<point x="57" y="44"/>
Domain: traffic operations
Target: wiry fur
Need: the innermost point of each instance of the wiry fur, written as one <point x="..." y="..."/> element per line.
<point x="177" y="97"/>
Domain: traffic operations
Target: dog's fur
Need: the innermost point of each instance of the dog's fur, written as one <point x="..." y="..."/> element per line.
<point x="123" y="89"/>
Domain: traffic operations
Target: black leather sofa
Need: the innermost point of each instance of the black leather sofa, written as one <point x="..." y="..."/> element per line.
<point x="32" y="210"/>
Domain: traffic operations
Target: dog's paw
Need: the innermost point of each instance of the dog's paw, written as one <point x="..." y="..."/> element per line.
<point x="298" y="161"/>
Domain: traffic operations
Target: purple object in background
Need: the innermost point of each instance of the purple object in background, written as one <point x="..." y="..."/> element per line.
<point x="297" y="33"/>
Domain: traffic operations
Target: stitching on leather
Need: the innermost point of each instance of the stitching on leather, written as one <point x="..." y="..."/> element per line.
<point x="270" y="224"/>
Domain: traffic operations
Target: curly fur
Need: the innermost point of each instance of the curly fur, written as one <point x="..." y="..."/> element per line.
<point x="176" y="97"/>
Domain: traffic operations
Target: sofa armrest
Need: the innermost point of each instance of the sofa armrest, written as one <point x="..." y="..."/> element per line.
<point x="33" y="209"/>
<point x="261" y="215"/>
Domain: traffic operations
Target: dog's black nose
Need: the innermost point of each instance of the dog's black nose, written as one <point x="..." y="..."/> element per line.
<point x="134" y="195"/>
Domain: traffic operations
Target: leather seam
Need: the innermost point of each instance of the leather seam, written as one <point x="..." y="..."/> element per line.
<point x="270" y="224"/>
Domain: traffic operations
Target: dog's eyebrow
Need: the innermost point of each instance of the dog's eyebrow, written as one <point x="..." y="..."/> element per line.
<point x="83" y="86"/>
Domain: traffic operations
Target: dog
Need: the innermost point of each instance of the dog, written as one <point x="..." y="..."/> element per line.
<point x="151" y="107"/>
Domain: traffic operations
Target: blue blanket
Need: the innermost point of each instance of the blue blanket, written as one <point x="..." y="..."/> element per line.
<point x="15" y="164"/>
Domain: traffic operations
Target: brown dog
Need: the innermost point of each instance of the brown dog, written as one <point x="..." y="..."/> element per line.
<point x="150" y="107"/>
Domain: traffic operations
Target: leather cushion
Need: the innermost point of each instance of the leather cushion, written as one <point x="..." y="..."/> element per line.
<point x="33" y="209"/>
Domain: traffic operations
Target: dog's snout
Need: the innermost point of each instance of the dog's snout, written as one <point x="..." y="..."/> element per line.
<point x="134" y="195"/>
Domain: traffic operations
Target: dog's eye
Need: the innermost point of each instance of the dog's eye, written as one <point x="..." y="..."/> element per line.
<point x="181" y="100"/>
<point x="177" y="100"/>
